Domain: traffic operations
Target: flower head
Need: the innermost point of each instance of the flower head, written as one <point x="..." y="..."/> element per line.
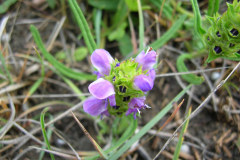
<point x="120" y="87"/>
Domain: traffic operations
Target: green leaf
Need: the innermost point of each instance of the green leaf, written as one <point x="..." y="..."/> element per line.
<point x="121" y="13"/>
<point x="125" y="45"/>
<point x="167" y="9"/>
<point x="61" y="55"/>
<point x="169" y="34"/>
<point x="148" y="126"/>
<point x="132" y="5"/>
<point x="82" y="23"/>
<point x="5" y="5"/>
<point x="51" y="3"/>
<point x="80" y="53"/>
<point x="118" y="33"/>
<point x="104" y="4"/>
<point x="191" y="78"/>
<point x="59" y="66"/>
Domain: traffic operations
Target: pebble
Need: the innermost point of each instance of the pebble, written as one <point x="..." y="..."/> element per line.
<point x="215" y="76"/>
<point x="185" y="148"/>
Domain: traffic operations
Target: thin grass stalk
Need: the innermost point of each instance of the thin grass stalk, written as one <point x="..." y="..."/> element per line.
<point x="6" y="69"/>
<point x="96" y="146"/>
<point x="10" y="122"/>
<point x="181" y="137"/>
<point x="97" y="19"/>
<point x="67" y="156"/>
<point x="49" y="134"/>
<point x="141" y="26"/>
<point x="44" y="131"/>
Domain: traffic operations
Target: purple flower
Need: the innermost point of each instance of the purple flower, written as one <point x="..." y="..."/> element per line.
<point x="94" y="106"/>
<point x="101" y="88"/>
<point x="143" y="82"/>
<point x="122" y="81"/>
<point x="101" y="59"/>
<point x="152" y="74"/>
<point x="135" y="105"/>
<point x="146" y="60"/>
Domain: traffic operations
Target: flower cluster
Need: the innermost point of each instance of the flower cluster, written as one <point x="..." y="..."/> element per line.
<point x="120" y="87"/>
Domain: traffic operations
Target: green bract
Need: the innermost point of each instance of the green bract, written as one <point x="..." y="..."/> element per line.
<point x="223" y="38"/>
<point x="122" y="77"/>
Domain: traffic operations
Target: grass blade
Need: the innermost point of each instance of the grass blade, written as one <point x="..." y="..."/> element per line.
<point x="34" y="88"/>
<point x="97" y="20"/>
<point x="5" y="67"/>
<point x="5" y="5"/>
<point x="169" y="34"/>
<point x="49" y="134"/>
<point x="141" y="26"/>
<point x="148" y="126"/>
<point x="82" y="23"/>
<point x="44" y="131"/>
<point x="59" y="66"/>
<point x="197" y="19"/>
<point x="39" y="56"/>
<point x="181" y="138"/>
<point x="73" y="87"/>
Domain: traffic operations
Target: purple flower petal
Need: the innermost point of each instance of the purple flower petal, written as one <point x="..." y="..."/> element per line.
<point x="94" y="106"/>
<point x="101" y="59"/>
<point x="101" y="88"/>
<point x="106" y="113"/>
<point x="146" y="60"/>
<point x="98" y="74"/>
<point x="152" y="74"/>
<point x="137" y="102"/>
<point x="134" y="111"/>
<point x="143" y="83"/>
<point x="112" y="100"/>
